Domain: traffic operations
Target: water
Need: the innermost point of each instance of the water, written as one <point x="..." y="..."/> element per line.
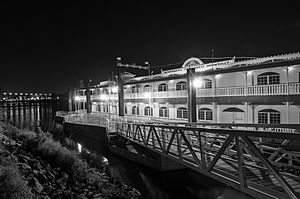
<point x="151" y="183"/>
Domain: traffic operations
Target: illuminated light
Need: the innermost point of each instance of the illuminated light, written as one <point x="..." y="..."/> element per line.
<point x="147" y="94"/>
<point x="37" y="98"/>
<point x="21" y="93"/>
<point x="114" y="89"/>
<point x="31" y="93"/>
<point x="218" y="76"/>
<point x="79" y="147"/>
<point x="10" y="93"/>
<point x="77" y="98"/>
<point x="16" y="93"/>
<point x="103" y="97"/>
<point x="26" y="93"/>
<point x="119" y="58"/>
<point x="105" y="160"/>
<point x="57" y="97"/>
<point x="4" y="93"/>
<point x="197" y="83"/>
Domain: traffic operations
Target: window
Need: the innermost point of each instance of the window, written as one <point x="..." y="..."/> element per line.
<point x="181" y="86"/>
<point x="147" y="88"/>
<point x="135" y="110"/>
<point x="268" y="116"/>
<point x="98" y="108"/>
<point x="182" y="112"/>
<point x="125" y="109"/>
<point x="268" y="78"/>
<point x="105" y="108"/>
<point x="205" y="114"/>
<point x="207" y="83"/>
<point x="162" y="87"/>
<point x="163" y="112"/>
<point x="148" y="111"/>
<point x="114" y="109"/>
<point x="134" y="89"/>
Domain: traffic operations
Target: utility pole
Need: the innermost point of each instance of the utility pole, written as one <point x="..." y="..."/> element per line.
<point x="121" y="83"/>
<point x="120" y="88"/>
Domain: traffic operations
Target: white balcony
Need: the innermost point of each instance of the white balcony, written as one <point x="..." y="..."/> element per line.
<point x="257" y="90"/>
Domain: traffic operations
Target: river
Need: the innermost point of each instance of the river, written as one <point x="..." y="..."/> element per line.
<point x="152" y="184"/>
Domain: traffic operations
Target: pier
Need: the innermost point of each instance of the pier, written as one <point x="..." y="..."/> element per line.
<point x="263" y="164"/>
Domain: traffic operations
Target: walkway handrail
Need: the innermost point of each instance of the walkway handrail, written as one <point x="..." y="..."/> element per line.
<point x="234" y="156"/>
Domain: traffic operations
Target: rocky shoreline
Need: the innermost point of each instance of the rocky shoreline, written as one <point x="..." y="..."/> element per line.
<point x="33" y="165"/>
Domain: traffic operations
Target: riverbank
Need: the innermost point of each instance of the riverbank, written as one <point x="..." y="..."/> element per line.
<point x="34" y="165"/>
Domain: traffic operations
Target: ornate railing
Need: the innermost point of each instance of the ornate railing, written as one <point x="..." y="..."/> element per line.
<point x="240" y="158"/>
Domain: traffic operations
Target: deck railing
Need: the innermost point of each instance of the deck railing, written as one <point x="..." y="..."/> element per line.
<point x="256" y="90"/>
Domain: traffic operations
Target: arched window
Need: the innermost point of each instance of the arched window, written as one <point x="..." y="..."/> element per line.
<point x="148" y="111"/>
<point x="163" y="112"/>
<point x="105" y="108"/>
<point x="268" y="78"/>
<point x="114" y="109"/>
<point x="147" y="88"/>
<point x="162" y="87"/>
<point x="134" y="89"/>
<point x="182" y="112"/>
<point x="205" y="114"/>
<point x="181" y="86"/>
<point x="135" y="110"/>
<point x="268" y="116"/>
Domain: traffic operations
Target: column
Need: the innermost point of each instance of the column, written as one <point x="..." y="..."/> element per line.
<point x="192" y="108"/>
<point x="215" y="118"/>
<point x="120" y="88"/>
<point x="88" y="96"/>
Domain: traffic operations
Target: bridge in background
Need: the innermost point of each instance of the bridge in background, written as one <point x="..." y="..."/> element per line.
<point x="264" y="164"/>
<point x="27" y="97"/>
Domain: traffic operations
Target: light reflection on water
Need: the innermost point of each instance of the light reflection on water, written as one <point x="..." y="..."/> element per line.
<point x="30" y="115"/>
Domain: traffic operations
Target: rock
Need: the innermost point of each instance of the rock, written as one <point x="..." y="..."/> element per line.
<point x="34" y="163"/>
<point x="24" y="166"/>
<point x="36" y="185"/>
<point x="62" y="183"/>
<point x="40" y="176"/>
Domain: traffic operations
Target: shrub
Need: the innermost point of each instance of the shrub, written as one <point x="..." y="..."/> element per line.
<point x="60" y="156"/>
<point x="12" y="186"/>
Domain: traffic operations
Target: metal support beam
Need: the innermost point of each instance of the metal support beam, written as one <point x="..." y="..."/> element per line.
<point x="120" y="88"/>
<point x="284" y="184"/>
<point x="192" y="108"/>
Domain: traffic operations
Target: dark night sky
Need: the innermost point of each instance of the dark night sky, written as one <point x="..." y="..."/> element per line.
<point x="48" y="47"/>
